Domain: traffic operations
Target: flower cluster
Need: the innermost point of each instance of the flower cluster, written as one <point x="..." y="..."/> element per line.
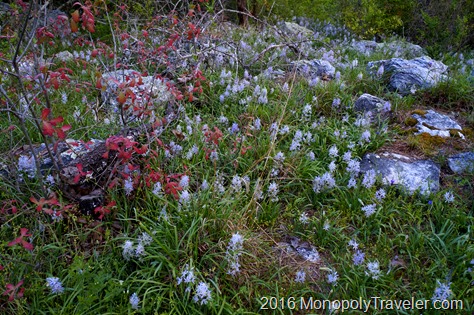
<point x="202" y="292"/>
<point x="130" y="251"/>
<point x="55" y="285"/>
<point x="234" y="250"/>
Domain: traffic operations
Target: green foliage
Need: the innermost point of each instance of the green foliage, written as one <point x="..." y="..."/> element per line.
<point x="443" y="25"/>
<point x="371" y="18"/>
<point x="437" y="25"/>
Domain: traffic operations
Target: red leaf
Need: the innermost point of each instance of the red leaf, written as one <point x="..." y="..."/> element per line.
<point x="21" y="241"/>
<point x="56" y="120"/>
<point x="75" y="16"/>
<point x="74" y="26"/>
<point x="172" y="188"/>
<point x="45" y="113"/>
<point x="121" y="98"/>
<point x="48" y="128"/>
<point x="61" y="134"/>
<point x="11" y="289"/>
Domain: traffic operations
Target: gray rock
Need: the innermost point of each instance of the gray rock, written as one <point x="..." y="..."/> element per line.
<point x="406" y="75"/>
<point x="462" y="162"/>
<point x="65" y="153"/>
<point x="64" y="56"/>
<point x="436" y="124"/>
<point x="315" y="68"/>
<point x="370" y="103"/>
<point x="411" y="175"/>
<point x="396" y="48"/>
<point x="88" y="203"/>
<point x="401" y="49"/>
<point x="295" y="29"/>
<point x="303" y="249"/>
<point x="366" y="47"/>
<point x="151" y="87"/>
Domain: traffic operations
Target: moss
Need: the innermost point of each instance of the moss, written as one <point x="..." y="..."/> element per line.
<point x="408" y="131"/>
<point x="430" y="140"/>
<point x="427" y="143"/>
<point x="411" y="121"/>
<point x="455" y="133"/>
<point x="468" y="133"/>
<point x="420" y="112"/>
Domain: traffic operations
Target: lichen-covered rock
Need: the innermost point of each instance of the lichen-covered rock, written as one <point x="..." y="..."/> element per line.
<point x="366" y="47"/>
<point x="315" y="68"/>
<point x="296" y="30"/>
<point x="405" y="76"/>
<point x="145" y="88"/>
<point x="397" y="48"/>
<point x="401" y="49"/>
<point x="64" y="56"/>
<point x="462" y="162"/>
<point x="436" y="124"/>
<point x="370" y="103"/>
<point x="411" y="175"/>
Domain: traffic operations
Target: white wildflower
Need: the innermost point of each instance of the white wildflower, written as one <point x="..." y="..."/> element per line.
<point x="300" y="276"/>
<point x="333" y="151"/>
<point x="332" y="277"/>
<point x="128" y="250"/>
<point x="202" y="294"/>
<point x="134" y="301"/>
<point x="304" y="218"/>
<point x="442" y="291"/>
<point x="145" y="239"/>
<point x="187" y="276"/>
<point x="55" y="285"/>
<point x="273" y="191"/>
<point x="369" y="210"/>
<point x="128" y="186"/>
<point x="448" y="197"/>
<point x="373" y="270"/>
<point x="157" y="191"/>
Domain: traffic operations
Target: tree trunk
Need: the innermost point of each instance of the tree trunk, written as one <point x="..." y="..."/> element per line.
<point x="242" y="6"/>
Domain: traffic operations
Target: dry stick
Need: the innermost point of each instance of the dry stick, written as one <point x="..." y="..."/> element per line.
<point x="22" y="88"/>
<point x="48" y="103"/>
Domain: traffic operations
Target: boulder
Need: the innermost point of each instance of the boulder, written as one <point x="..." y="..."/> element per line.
<point x="294" y="29"/>
<point x="64" y="56"/>
<point x="401" y="49"/>
<point x="411" y="175"/>
<point x="461" y="163"/>
<point x="145" y="87"/>
<point x="406" y="76"/>
<point x="397" y="48"/>
<point x="315" y="68"/>
<point x="366" y="47"/>
<point x="369" y="103"/>
<point x="436" y="124"/>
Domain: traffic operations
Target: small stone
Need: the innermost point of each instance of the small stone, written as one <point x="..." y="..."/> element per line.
<point x="88" y="203"/>
<point x="435" y="124"/>
<point x="462" y="162"/>
<point x="295" y="29"/>
<point x="315" y="68"/>
<point x="368" y="103"/>
<point x="400" y="170"/>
